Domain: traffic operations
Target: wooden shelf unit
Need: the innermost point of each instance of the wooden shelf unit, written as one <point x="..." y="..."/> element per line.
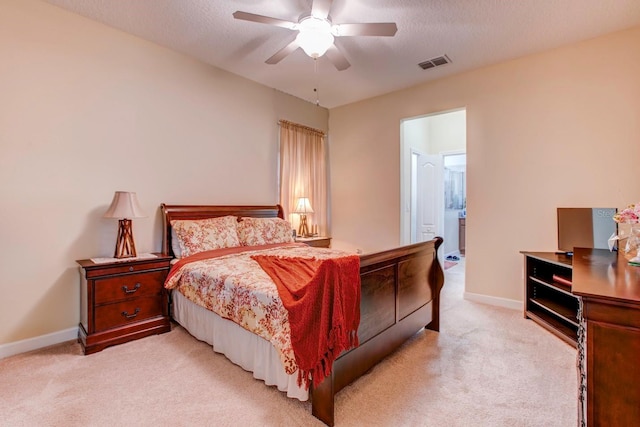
<point x="593" y="303"/>
<point x="548" y="302"/>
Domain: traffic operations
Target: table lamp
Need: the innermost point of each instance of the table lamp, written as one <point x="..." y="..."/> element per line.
<point x="303" y="207"/>
<point x="124" y="207"/>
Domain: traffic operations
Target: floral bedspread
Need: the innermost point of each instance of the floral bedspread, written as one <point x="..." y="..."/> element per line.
<point x="235" y="287"/>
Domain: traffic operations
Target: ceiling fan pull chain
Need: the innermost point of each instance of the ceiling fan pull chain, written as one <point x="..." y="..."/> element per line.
<point x="315" y="72"/>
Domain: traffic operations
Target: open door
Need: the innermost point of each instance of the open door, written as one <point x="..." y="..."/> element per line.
<point x="426" y="197"/>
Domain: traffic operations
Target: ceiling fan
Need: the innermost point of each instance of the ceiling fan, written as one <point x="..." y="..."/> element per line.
<point x="316" y="33"/>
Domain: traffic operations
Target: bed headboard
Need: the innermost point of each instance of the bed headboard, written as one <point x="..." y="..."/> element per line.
<point x="172" y="212"/>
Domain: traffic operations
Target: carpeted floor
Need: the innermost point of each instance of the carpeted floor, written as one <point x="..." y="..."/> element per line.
<point x="487" y="367"/>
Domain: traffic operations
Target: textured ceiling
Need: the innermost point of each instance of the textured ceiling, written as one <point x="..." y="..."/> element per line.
<point x="472" y="33"/>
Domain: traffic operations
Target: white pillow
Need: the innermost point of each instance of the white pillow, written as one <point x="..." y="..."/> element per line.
<point x="175" y="244"/>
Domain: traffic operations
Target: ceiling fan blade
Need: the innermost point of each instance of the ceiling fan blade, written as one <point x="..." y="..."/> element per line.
<point x="321" y="8"/>
<point x="387" y="29"/>
<point x="282" y="53"/>
<point x="337" y="58"/>
<point x="246" y="16"/>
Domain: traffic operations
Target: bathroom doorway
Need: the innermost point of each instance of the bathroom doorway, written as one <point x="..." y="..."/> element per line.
<point x="433" y="180"/>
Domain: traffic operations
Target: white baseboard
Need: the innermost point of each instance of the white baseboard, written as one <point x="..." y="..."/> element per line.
<point x="36" y="343"/>
<point x="497" y="301"/>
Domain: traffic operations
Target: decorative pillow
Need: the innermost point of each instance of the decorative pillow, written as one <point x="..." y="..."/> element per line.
<point x="264" y="231"/>
<point x="206" y="234"/>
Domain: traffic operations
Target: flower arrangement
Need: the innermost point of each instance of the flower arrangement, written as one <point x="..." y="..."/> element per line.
<point x="629" y="215"/>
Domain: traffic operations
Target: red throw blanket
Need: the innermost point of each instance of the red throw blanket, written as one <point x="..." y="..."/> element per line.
<point x="322" y="298"/>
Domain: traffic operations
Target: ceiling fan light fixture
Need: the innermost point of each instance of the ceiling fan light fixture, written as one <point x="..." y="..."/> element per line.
<point x="316" y="33"/>
<point x="314" y="36"/>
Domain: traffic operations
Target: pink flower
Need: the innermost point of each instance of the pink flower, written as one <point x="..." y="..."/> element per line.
<point x="629" y="215"/>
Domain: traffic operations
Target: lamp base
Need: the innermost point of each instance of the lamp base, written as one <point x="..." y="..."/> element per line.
<point x="125" y="246"/>
<point x="303" y="230"/>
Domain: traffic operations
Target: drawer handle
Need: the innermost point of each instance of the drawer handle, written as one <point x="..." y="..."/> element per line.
<point x="131" y="316"/>
<point x="126" y="289"/>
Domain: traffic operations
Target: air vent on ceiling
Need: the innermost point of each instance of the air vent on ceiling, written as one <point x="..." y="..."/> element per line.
<point x="434" y="62"/>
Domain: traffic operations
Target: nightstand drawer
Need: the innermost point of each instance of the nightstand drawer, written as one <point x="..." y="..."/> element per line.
<point x="113" y="315"/>
<point x="317" y="242"/>
<point x="95" y="271"/>
<point x="126" y="286"/>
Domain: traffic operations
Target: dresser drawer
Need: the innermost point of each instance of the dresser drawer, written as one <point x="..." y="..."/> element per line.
<point x="130" y="285"/>
<point x="125" y="312"/>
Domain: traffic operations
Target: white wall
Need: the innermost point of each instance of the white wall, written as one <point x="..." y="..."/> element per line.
<point x="414" y="137"/>
<point x="558" y="128"/>
<point x="86" y="110"/>
<point x="447" y="132"/>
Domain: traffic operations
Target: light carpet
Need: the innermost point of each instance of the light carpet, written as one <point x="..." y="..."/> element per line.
<point x="488" y="366"/>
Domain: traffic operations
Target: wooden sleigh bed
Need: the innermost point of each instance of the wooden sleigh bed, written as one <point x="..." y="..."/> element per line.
<point x="400" y="295"/>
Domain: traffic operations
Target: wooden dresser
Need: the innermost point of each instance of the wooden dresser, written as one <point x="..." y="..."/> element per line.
<point x="608" y="338"/>
<point x="122" y="301"/>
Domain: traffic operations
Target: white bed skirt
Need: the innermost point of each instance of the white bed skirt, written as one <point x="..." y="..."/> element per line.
<point x="245" y="349"/>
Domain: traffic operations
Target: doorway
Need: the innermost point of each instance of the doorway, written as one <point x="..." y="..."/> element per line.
<point x="455" y="204"/>
<point x="433" y="180"/>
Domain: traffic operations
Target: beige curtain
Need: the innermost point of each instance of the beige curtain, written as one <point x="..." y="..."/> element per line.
<point x="303" y="173"/>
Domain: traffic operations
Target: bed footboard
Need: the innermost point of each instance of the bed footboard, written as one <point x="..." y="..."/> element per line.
<point x="400" y="296"/>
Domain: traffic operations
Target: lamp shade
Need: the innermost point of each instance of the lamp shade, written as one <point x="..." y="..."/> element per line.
<point x="124" y="205"/>
<point x="315" y="36"/>
<point x="303" y="206"/>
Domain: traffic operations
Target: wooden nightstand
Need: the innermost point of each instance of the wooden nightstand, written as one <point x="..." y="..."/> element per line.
<point x="122" y="301"/>
<point x="318" y="242"/>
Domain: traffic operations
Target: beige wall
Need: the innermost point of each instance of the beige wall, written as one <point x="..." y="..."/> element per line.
<point x="86" y="110"/>
<point x="559" y="128"/>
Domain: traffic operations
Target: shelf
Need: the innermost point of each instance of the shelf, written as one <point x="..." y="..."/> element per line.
<point x="554" y="286"/>
<point x="558" y="328"/>
<point x="557" y="309"/>
<point x="550" y="302"/>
